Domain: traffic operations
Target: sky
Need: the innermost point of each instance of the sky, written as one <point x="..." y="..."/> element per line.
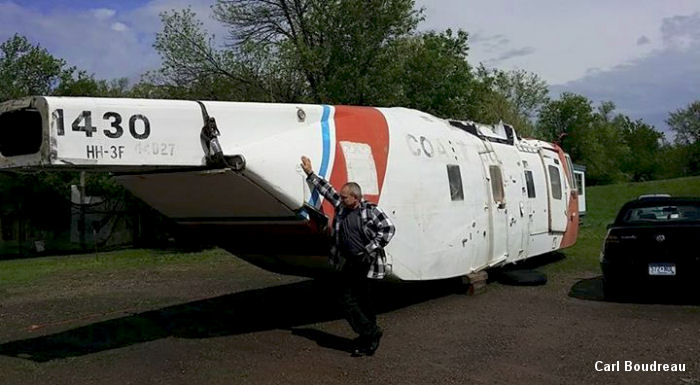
<point x="644" y="55"/>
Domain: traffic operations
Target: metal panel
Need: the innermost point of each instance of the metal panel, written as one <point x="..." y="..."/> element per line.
<point x="124" y="132"/>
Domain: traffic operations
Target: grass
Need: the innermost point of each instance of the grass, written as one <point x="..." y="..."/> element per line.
<point x="603" y="203"/>
<point x="25" y="272"/>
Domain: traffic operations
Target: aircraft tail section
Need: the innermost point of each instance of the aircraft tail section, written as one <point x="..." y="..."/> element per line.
<point x="101" y="133"/>
<point x="169" y="153"/>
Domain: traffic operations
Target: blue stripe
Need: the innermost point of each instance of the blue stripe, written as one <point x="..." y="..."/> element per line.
<point x="326" y="133"/>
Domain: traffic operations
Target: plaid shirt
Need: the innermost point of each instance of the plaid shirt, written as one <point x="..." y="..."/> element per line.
<point x="375" y="224"/>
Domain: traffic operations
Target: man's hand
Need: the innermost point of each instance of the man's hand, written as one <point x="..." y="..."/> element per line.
<point x="306" y="165"/>
<point x="369" y="257"/>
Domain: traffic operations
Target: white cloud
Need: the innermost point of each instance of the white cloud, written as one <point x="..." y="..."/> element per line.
<point x="641" y="54"/>
<point x="567" y="37"/>
<point x="103" y="13"/>
<point x="102" y="41"/>
<point x="81" y="39"/>
<point x="652" y="86"/>
<point x="146" y="19"/>
<point x="119" y="27"/>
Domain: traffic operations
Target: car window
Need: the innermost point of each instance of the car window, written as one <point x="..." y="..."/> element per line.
<point x="663" y="213"/>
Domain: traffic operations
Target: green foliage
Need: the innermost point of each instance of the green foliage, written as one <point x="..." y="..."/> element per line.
<point x="193" y="68"/>
<point x="526" y="91"/>
<point x="642" y="161"/>
<point x="35" y="198"/>
<point x="431" y="74"/>
<point x="570" y="115"/>
<point x="354" y="52"/>
<point x="301" y="51"/>
<point x="334" y="46"/>
<point x="569" y="120"/>
<point x="686" y="124"/>
<point x="514" y="97"/>
<point x="603" y="147"/>
<point x="612" y="147"/>
<point x="26" y="69"/>
<point x="79" y="83"/>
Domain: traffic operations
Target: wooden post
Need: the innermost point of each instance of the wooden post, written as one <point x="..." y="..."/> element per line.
<point x="81" y="220"/>
<point x="475" y="282"/>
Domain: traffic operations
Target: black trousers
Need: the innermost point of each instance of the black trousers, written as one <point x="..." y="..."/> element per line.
<point x="355" y="296"/>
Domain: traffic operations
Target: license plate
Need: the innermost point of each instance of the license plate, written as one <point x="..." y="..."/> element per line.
<point x="662" y="269"/>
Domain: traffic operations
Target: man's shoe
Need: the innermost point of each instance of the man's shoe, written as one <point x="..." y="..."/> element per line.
<point x="374" y="342"/>
<point x="359" y="346"/>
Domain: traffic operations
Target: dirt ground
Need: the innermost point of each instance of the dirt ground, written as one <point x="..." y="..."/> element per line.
<point x="233" y="323"/>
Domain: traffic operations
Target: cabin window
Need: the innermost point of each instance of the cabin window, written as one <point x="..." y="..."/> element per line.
<point x="570" y="170"/>
<point x="455" y="178"/>
<point x="496" y="184"/>
<point x="579" y="182"/>
<point x="530" y="184"/>
<point x="555" y="180"/>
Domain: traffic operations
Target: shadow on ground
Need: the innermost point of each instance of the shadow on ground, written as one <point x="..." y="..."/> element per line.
<point x="280" y="307"/>
<point x="532" y="263"/>
<point x="592" y="290"/>
<point x="524" y="273"/>
<point x="325" y="340"/>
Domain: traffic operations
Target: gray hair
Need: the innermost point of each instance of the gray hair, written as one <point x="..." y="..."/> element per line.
<point x="354" y="189"/>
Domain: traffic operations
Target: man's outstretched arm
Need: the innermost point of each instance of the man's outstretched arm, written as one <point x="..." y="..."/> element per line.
<point x="324" y="188"/>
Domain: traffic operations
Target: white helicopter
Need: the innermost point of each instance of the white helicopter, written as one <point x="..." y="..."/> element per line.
<point x="463" y="196"/>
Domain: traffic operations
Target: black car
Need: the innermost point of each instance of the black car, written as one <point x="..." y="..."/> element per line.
<point x="654" y="243"/>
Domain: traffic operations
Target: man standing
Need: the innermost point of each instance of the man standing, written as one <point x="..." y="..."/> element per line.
<point x="360" y="232"/>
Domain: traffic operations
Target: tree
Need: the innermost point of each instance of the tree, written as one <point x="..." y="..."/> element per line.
<point x="642" y="161"/>
<point x="359" y="52"/>
<point x="686" y="125"/>
<point x="336" y="45"/>
<point x="79" y="83"/>
<point x="568" y="120"/>
<point x="191" y="63"/>
<point x="591" y="137"/>
<point x="282" y="50"/>
<point x="525" y="91"/>
<point x="429" y="72"/>
<point x="27" y="69"/>
<point x="514" y="97"/>
<point x="673" y="161"/>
